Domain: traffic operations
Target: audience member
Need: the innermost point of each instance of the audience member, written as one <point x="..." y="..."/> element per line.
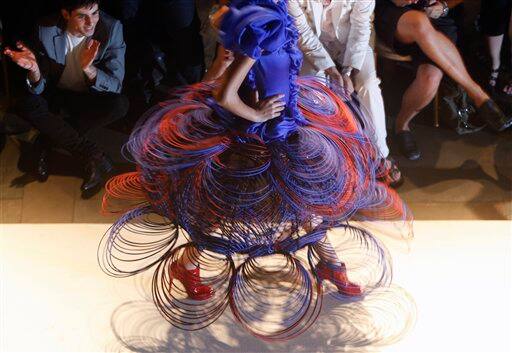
<point x="77" y="65"/>
<point x="495" y="19"/>
<point x="336" y="34"/>
<point x="421" y="28"/>
<point x="173" y="26"/>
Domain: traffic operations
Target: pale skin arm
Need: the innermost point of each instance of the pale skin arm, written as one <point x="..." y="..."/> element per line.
<point x="223" y="59"/>
<point x="25" y="59"/>
<point x="227" y="95"/>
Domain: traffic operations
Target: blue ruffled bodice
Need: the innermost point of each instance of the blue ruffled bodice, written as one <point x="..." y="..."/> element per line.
<point x="262" y="30"/>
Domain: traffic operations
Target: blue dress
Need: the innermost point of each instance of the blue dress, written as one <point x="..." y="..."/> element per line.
<point x="248" y="195"/>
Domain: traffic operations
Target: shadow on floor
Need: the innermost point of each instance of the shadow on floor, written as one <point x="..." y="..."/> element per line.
<point x="384" y="317"/>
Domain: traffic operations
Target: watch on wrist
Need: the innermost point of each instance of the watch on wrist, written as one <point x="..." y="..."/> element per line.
<point x="446" y="9"/>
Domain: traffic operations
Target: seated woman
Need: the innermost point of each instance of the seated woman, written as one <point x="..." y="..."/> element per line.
<point x="422" y="29"/>
<point x="253" y="169"/>
<point x="495" y="18"/>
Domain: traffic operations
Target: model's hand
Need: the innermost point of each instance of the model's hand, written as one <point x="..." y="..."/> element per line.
<point x="269" y="108"/>
<point x="402" y="3"/>
<point x="89" y="54"/>
<point x="334" y="75"/>
<point x="347" y="83"/>
<point x="435" y="10"/>
<point x="23" y="57"/>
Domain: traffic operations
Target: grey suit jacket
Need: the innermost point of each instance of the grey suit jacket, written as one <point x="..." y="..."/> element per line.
<point x="50" y="49"/>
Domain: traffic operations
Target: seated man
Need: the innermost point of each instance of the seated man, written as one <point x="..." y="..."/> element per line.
<point x="77" y="65"/>
<point x="420" y="28"/>
<point x="340" y="38"/>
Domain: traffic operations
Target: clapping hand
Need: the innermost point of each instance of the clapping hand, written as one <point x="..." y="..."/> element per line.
<point x="23" y="57"/>
<point x="89" y="54"/>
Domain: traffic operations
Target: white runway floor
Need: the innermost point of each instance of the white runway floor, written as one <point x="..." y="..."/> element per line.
<point x="452" y="292"/>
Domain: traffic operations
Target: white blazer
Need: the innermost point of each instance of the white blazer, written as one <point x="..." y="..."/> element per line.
<point x="352" y="21"/>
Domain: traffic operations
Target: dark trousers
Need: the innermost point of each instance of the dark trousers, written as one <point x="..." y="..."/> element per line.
<point x="84" y="113"/>
<point x="174" y="26"/>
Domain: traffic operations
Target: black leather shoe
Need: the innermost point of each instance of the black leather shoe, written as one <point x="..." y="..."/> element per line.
<point x="98" y="170"/>
<point x="407" y="145"/>
<point x="492" y="114"/>
<point x="41" y="159"/>
<point x="42" y="166"/>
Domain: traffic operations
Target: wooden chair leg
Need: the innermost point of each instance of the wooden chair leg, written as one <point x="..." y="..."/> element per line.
<point x="436" y="110"/>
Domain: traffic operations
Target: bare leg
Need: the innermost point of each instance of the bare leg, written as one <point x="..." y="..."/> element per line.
<point x="508" y="87"/>
<point x="494" y="43"/>
<point x="327" y="253"/>
<point x="189" y="259"/>
<point x="415" y="27"/>
<point x="421" y="91"/>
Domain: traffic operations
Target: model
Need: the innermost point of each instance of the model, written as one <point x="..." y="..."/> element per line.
<point x="250" y="170"/>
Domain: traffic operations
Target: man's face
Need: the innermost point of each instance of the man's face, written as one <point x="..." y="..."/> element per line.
<point x="82" y="21"/>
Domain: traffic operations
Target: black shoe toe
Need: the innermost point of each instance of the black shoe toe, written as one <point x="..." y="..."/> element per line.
<point x="407" y="145"/>
<point x="491" y="113"/>
<point x="42" y="166"/>
<point x="98" y="171"/>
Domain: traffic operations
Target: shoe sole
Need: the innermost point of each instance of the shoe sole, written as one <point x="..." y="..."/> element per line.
<point x="414" y="157"/>
<point x="504" y="126"/>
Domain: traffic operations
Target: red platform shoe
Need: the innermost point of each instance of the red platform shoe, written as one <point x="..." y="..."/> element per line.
<point x="191" y="280"/>
<point x="337" y="274"/>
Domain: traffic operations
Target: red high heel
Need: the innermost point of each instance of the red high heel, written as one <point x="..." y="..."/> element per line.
<point x="191" y="281"/>
<point x="337" y="274"/>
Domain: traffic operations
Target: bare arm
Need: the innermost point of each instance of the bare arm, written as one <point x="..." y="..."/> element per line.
<point x="228" y="98"/>
<point x="223" y="59"/>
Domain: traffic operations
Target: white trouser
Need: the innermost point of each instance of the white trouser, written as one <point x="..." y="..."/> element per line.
<point x="366" y="84"/>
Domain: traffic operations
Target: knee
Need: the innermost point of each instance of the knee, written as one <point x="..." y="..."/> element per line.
<point x="119" y="106"/>
<point x="430" y="78"/>
<point x="418" y="24"/>
<point x="31" y="107"/>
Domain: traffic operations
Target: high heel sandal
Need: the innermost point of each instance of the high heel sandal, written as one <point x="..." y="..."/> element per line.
<point x="337" y="274"/>
<point x="493" y="79"/>
<point x="508" y="88"/>
<point x="191" y="280"/>
<point x="389" y="173"/>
